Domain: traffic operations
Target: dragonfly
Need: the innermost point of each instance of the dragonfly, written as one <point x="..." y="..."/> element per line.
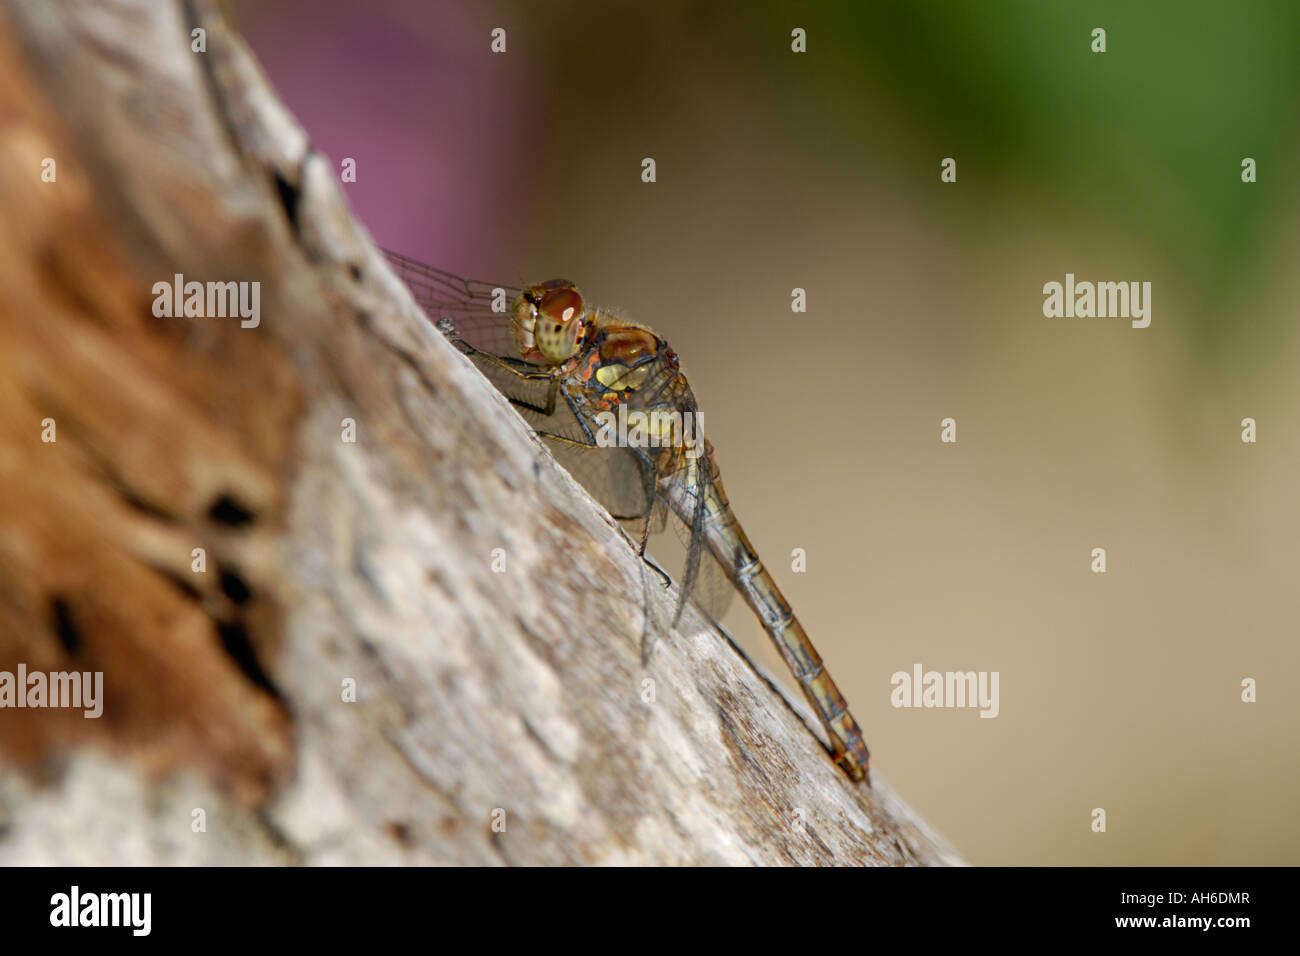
<point x="610" y="399"/>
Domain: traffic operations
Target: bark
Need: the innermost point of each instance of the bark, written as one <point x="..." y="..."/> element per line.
<point x="499" y="716"/>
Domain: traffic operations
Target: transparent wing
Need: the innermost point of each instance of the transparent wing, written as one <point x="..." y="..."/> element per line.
<point x="712" y="589"/>
<point x="480" y="311"/>
<point x="619" y="478"/>
<point x="703" y="580"/>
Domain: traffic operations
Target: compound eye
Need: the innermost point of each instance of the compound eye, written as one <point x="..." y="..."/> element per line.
<point x="561" y="306"/>
<point x="559" y="322"/>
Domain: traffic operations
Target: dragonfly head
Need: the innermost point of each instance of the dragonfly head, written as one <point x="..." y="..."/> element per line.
<point x="550" y="322"/>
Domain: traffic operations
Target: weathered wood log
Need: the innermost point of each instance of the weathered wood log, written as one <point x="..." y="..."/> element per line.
<point x="498" y="717"/>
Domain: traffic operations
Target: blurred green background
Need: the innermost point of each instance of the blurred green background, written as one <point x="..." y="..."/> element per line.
<point x="821" y="170"/>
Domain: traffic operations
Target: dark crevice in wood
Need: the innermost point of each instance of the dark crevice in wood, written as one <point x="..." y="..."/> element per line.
<point x="65" y="628"/>
<point x="289" y="195"/>
<point x="234" y="587"/>
<point x="226" y="510"/>
<point x="234" y="638"/>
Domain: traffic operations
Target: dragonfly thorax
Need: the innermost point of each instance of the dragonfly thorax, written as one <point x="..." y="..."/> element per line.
<point x="550" y="322"/>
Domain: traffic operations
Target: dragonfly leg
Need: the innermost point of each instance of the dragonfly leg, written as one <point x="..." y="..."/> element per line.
<point x="526" y="372"/>
<point x="694" y="552"/>
<point x="645" y="539"/>
<point x="578" y="417"/>
<point x="649" y="491"/>
<point x="587" y="441"/>
<point x="645" y="530"/>
<point x="566" y="440"/>
<point x="668" y="581"/>
<point x="519" y="369"/>
<point x="549" y="408"/>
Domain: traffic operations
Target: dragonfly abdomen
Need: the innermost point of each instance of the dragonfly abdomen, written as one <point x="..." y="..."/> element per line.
<point x="730" y="545"/>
